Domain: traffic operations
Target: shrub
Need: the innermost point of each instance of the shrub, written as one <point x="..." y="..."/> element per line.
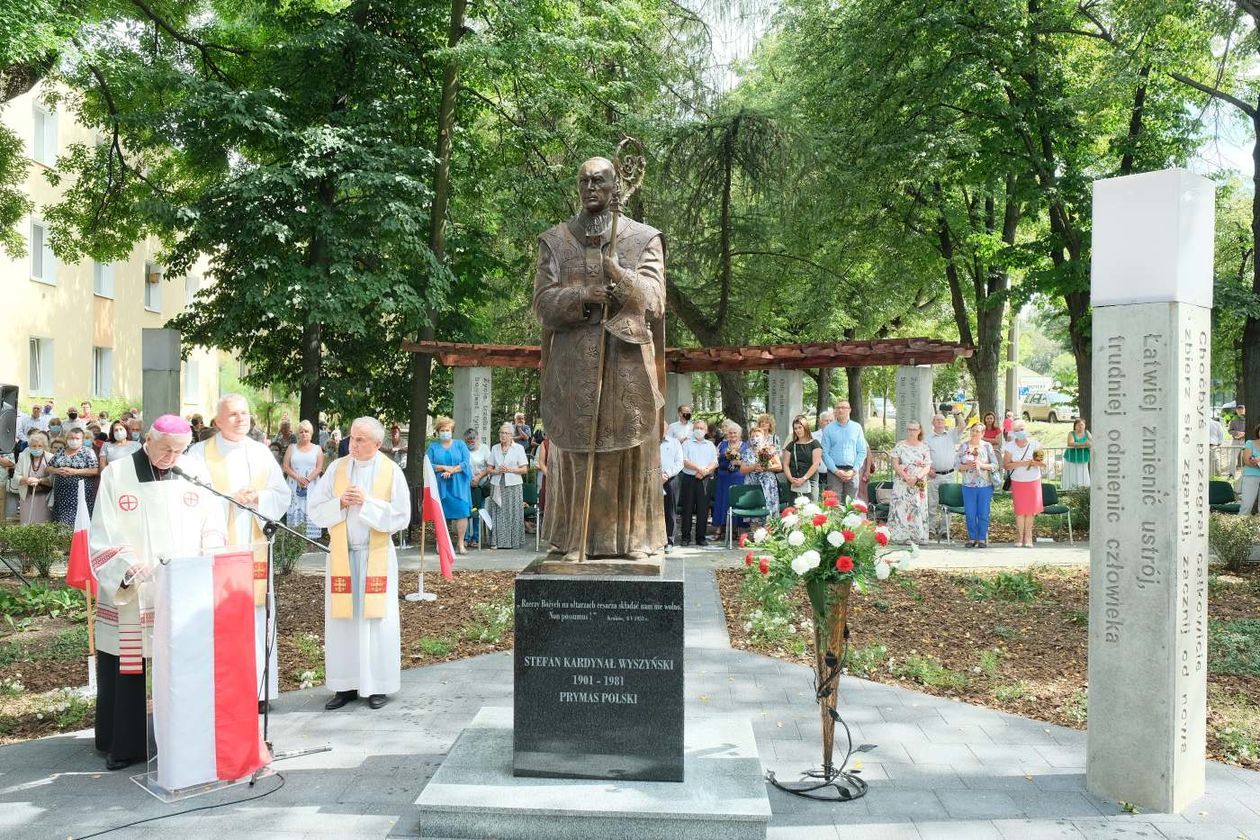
<point x="1232" y="538"/>
<point x="927" y="670"/>
<point x="1078" y="502"/>
<point x="491" y="621"/>
<point x="880" y="439"/>
<point x="287" y="551"/>
<point x="36" y="547"/>
<point x="1009" y="586"/>
<point x="865" y="661"/>
<point x="1011" y="691"/>
<point x="1234" y="647"/>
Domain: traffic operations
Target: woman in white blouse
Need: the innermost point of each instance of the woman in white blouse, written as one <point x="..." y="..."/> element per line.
<point x="507" y="464"/>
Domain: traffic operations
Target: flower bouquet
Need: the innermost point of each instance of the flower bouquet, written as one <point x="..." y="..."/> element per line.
<point x="765" y="455"/>
<point x="831" y="549"/>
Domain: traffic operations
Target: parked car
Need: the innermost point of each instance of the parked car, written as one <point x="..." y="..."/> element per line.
<point x="1050" y="406"/>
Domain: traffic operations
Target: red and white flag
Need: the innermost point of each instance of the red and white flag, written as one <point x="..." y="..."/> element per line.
<point x="79" y="572"/>
<point x="205" y="693"/>
<point x="431" y="511"/>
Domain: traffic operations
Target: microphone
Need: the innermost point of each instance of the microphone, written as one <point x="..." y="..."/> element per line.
<point x="175" y="470"/>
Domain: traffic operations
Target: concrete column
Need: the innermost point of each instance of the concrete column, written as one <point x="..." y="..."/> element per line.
<point x="914" y="397"/>
<point x="159" y="373"/>
<point x="787" y="399"/>
<point x="472" y="402"/>
<point x="1151" y="289"/>
<point x="677" y="392"/>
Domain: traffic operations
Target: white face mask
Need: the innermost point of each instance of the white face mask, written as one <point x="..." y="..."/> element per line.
<point x="120" y="434"/>
<point x="697" y="434"/>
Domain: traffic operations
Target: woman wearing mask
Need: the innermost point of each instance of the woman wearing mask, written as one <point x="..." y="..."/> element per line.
<point x="762" y="466"/>
<point x="452" y="464"/>
<point x="120" y="444"/>
<point x="55" y="428"/>
<point x="1022" y="459"/>
<point x="32" y="481"/>
<point x="77" y="463"/>
<point x="976" y="461"/>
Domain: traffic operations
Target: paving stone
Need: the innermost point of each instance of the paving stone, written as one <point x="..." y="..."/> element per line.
<point x="887" y="800"/>
<point x="979" y="804"/>
<point x="1038" y="830"/>
<point x="958" y="830"/>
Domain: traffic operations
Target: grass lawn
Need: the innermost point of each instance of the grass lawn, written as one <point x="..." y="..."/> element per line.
<point x="1015" y="641"/>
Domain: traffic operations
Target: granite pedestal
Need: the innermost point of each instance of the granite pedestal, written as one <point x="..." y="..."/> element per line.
<point x="474" y="794"/>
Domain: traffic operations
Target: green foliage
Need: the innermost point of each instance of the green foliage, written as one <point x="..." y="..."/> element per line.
<point x="928" y="671"/>
<point x="1236" y="721"/>
<point x="1234" y="647"/>
<point x="867" y="661"/>
<point x="990" y="663"/>
<point x="287" y="551"/>
<point x="1078" y="617"/>
<point x="1232" y="538"/>
<point x="879" y="438"/>
<point x="310" y="647"/>
<point x="39" y="599"/>
<point x="1010" y="692"/>
<point x="1077" y="707"/>
<point x="37" y="547"/>
<point x="430" y="646"/>
<point x="1003" y="631"/>
<point x="1078" y="502"/>
<point x="909" y="586"/>
<point x="1007" y="586"/>
<point x="492" y="620"/>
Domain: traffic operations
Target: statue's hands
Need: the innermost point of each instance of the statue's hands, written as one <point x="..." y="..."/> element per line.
<point x="598" y="295"/>
<point x="613" y="272"/>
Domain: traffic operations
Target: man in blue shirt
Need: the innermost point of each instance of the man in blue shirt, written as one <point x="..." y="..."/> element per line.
<point x="844" y="452"/>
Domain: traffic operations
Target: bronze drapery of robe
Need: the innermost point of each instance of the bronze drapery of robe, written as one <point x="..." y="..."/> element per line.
<point x="626" y="511"/>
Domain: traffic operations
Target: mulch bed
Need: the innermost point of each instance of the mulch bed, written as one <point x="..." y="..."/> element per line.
<point x="1043" y="643"/>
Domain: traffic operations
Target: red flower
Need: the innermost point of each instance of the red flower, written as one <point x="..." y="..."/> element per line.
<point x="859" y="505"/>
<point x="844" y="563"/>
<point x="881" y="538"/>
<point x="831" y="501"/>
<point x="819" y="520"/>
<point x="788" y="511"/>
<point x="748" y="558"/>
<point x="848" y="535"/>
<point x="764" y="566"/>
<point x="829" y="494"/>
<point x="743" y="540"/>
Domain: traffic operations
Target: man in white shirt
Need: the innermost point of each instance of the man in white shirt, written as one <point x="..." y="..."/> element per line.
<point x="671" y="466"/>
<point x="680" y="429"/>
<point x="943" y="444"/>
<point x="824" y="420"/>
<point x="699" y="465"/>
<point x="27" y="423"/>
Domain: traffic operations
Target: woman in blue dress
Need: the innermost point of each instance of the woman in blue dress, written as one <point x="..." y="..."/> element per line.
<point x="731" y="455"/>
<point x="452" y="463"/>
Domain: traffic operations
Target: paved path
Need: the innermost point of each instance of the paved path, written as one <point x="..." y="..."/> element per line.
<point x="941" y="769"/>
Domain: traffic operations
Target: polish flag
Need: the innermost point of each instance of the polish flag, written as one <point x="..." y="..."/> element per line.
<point x="205" y="695"/>
<point x="431" y="511"/>
<point x="79" y="573"/>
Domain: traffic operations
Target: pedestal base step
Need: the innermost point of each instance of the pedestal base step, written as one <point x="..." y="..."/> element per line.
<point x="474" y="794"/>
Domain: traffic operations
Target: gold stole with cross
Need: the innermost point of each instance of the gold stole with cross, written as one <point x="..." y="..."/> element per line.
<point x="219" y="478"/>
<point x="377" y="577"/>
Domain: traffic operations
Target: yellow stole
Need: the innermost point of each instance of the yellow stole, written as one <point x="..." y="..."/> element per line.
<point x="219" y="478"/>
<point x="377" y="577"/>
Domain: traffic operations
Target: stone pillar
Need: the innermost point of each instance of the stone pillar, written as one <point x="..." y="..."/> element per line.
<point x="159" y="373"/>
<point x="472" y="402"/>
<point x="914" y="397"/>
<point x="1151" y="289"/>
<point x="677" y="392"/>
<point x="787" y="400"/>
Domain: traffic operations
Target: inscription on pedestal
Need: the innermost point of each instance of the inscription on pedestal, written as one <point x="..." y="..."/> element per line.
<point x="599" y="678"/>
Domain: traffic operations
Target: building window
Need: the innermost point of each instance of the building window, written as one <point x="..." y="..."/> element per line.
<point x="103" y="279"/>
<point x="102" y="372"/>
<point x="44" y="142"/>
<point x="152" y="287"/>
<point x="41" y="367"/>
<point x="192" y="285"/>
<point x="43" y="261"/>
<point x="192" y="382"/>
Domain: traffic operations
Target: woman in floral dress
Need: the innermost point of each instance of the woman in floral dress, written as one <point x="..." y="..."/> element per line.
<point x="762" y="466"/>
<point x="908" y="508"/>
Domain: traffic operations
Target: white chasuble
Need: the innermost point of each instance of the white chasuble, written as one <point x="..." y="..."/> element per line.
<point x="362" y="654"/>
<point x="144" y="516"/>
<point x="232" y="466"/>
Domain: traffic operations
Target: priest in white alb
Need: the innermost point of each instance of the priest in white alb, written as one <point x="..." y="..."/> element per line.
<point x="245" y="469"/>
<point x="362" y="499"/>
<point x="143" y="513"/>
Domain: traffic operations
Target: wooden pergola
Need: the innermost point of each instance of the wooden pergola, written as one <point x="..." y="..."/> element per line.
<point x="821" y="354"/>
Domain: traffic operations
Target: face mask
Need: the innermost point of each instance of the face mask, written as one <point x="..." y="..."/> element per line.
<point x="56" y="430"/>
<point x="697" y="434"/>
<point x="1021" y="436"/>
<point x="120" y="434"/>
<point x="135" y="436"/>
<point x="687" y="416"/>
<point x="36" y="453"/>
<point x="73" y="415"/>
<point x="444" y="436"/>
<point x="47" y="408"/>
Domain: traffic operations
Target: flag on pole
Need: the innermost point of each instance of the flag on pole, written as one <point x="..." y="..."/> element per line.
<point x="79" y="573"/>
<point x="431" y="511"/>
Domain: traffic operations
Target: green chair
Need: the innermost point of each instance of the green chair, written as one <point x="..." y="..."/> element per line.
<point x="529" y="494"/>
<point x="743" y="500"/>
<point x="1221" y="497"/>
<point x="951" y="501"/>
<point x="878" y="508"/>
<point x="478" y="499"/>
<point x="1050" y="506"/>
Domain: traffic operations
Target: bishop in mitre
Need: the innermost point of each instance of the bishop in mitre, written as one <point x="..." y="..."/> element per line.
<point x="362" y="500"/>
<point x="143" y="513"/>
<point x="244" y="469"/>
<point x="577" y="276"/>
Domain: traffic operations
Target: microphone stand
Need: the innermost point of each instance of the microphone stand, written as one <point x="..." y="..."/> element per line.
<point x="269" y="528"/>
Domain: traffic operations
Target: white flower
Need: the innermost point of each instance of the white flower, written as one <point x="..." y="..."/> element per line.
<point x="801" y="501"/>
<point x="882" y="570"/>
<point x="760" y="535"/>
<point x="811" y="509"/>
<point x="835" y="538"/>
<point x="796" y="538"/>
<point x="791" y="520"/>
<point x="851" y="521"/>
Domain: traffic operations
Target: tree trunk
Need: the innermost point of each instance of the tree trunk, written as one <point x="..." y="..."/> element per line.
<point x="1080" y="332"/>
<point x="857" y="399"/>
<point x="308" y="405"/>
<point x="823" y="401"/>
<point x="732" y="384"/>
<point x="1251" y="329"/>
<point x="422" y="364"/>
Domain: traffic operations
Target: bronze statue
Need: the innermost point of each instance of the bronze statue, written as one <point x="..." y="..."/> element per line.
<point x="601" y="312"/>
